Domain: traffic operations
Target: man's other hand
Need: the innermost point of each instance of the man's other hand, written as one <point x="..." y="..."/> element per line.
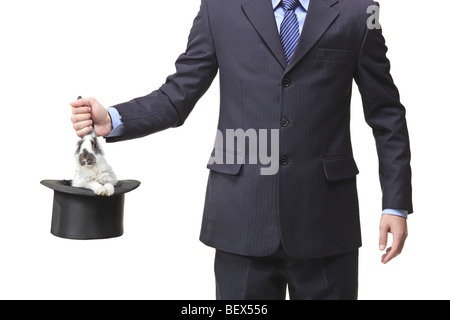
<point x="397" y="226"/>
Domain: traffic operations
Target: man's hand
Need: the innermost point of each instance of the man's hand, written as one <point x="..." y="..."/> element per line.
<point x="86" y="110"/>
<point x="398" y="228"/>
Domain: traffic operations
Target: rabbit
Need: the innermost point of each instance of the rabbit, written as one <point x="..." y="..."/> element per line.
<point x="92" y="170"/>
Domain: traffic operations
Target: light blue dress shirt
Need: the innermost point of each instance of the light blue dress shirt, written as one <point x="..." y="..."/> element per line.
<point x="300" y="11"/>
<point x="279" y="11"/>
<point x="117" y="123"/>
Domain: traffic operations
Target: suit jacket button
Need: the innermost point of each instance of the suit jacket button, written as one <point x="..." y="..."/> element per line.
<point x="286" y="82"/>
<point x="284" y="160"/>
<point x="284" y="122"/>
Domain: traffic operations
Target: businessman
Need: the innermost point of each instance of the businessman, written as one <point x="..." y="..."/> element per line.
<point x="286" y="67"/>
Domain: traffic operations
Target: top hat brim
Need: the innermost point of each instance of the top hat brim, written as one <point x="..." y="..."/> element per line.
<point x="79" y="213"/>
<point x="65" y="186"/>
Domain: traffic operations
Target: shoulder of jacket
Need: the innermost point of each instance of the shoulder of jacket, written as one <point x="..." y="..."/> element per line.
<point x="225" y="2"/>
<point x="359" y="10"/>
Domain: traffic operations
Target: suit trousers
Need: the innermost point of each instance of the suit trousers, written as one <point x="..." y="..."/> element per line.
<point x="266" y="278"/>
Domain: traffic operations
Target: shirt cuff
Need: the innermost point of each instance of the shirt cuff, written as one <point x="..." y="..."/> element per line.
<point x="396" y="212"/>
<point x="117" y="123"/>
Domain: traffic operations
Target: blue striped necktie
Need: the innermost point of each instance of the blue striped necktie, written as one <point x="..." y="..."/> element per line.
<point x="289" y="31"/>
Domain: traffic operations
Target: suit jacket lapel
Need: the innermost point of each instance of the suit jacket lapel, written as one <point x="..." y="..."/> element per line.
<point x="260" y="13"/>
<point x="318" y="19"/>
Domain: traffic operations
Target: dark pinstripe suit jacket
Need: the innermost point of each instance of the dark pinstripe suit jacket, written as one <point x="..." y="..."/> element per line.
<point x="311" y="204"/>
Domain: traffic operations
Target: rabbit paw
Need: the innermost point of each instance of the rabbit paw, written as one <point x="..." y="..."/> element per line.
<point x="99" y="190"/>
<point x="109" y="189"/>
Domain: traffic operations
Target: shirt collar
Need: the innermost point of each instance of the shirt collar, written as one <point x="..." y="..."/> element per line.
<point x="304" y="4"/>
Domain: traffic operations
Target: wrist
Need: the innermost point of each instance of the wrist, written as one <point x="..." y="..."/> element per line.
<point x="396" y="212"/>
<point x="115" y="122"/>
<point x="109" y="125"/>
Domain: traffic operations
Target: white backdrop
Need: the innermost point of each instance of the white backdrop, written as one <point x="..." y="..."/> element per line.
<point x="52" y="51"/>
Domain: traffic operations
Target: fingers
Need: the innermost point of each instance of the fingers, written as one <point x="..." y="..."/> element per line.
<point x="82" y="124"/>
<point x="80" y="117"/>
<point x="395" y="250"/>
<point x="86" y="110"/>
<point x="81" y="110"/>
<point x="383" y="237"/>
<point x="83" y="127"/>
<point x="384" y="258"/>
<point x="398" y="228"/>
<point x="84" y="102"/>
<point x="81" y="133"/>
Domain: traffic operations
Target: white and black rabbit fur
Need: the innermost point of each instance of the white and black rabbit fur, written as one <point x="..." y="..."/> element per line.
<point x="92" y="170"/>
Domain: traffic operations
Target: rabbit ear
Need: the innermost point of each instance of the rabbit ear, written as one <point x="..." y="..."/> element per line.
<point x="93" y="133"/>
<point x="96" y="146"/>
<point x="79" y="143"/>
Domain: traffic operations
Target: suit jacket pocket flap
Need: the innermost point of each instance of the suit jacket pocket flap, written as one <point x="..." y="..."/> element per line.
<point x="340" y="168"/>
<point x="333" y="54"/>
<point x="225" y="162"/>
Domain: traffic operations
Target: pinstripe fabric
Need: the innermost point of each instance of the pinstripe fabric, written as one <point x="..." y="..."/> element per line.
<point x="266" y="278"/>
<point x="289" y="30"/>
<point x="311" y="204"/>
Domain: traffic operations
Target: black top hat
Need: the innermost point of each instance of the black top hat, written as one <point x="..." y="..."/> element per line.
<point x="79" y="213"/>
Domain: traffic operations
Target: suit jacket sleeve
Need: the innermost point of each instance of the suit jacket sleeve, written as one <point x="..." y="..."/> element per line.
<point x="385" y="114"/>
<point x="171" y="104"/>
